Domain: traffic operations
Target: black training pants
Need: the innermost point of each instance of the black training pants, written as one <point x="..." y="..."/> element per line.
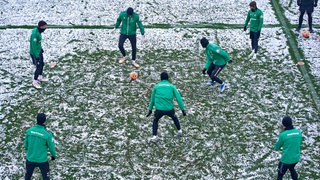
<point x="158" y="114"/>
<point x="133" y="41"/>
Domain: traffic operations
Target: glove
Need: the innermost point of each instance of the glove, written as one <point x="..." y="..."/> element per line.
<point x="184" y="113"/>
<point x="230" y="61"/>
<point x="315" y="5"/>
<point x="149" y="113"/>
<point x="204" y="71"/>
<point x="53" y="158"/>
<point x="42" y="51"/>
<point x="245" y="28"/>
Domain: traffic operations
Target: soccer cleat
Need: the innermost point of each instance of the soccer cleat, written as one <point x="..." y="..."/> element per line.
<point x="123" y="59"/>
<point x="298" y="29"/>
<point x="43" y="79"/>
<point x="135" y="64"/>
<point x="154" y="139"/>
<point x="179" y="133"/>
<point x="254" y="56"/>
<point x="36" y="85"/>
<point x="252" y="53"/>
<point x="222" y="87"/>
<point x="211" y="83"/>
<point x="311" y="30"/>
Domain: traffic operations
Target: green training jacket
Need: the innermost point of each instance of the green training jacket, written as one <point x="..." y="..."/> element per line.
<point x="256" y="20"/>
<point x="129" y="23"/>
<point x="215" y="55"/>
<point x="36" y="143"/>
<point x="290" y="141"/>
<point x="162" y="96"/>
<point x="35" y="42"/>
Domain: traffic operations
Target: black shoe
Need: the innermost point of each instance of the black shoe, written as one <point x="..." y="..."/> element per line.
<point x="298" y="29"/>
<point x="311" y="31"/>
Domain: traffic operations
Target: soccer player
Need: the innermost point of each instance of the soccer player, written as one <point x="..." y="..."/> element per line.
<point x="255" y="16"/>
<point x="129" y="20"/>
<point x="217" y="58"/>
<point x="290" y="141"/>
<point x="306" y="5"/>
<point x="36" y="53"/>
<point x="37" y="142"/>
<point x="162" y="98"/>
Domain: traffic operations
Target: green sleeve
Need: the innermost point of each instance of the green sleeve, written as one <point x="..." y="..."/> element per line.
<point x="118" y="21"/>
<point x="278" y="144"/>
<point x="25" y="144"/>
<point x="178" y="97"/>
<point x="34" y="45"/>
<point x="140" y="26"/>
<point x="151" y="104"/>
<point x="247" y="20"/>
<point x="260" y="21"/>
<point x="51" y="145"/>
<point x="224" y="54"/>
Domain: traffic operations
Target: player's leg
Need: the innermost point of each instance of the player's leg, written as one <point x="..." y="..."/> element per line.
<point x="157" y="116"/>
<point x="133" y="41"/>
<point x="302" y="11"/>
<point x="309" y="13"/>
<point x="35" y="82"/>
<point x="45" y="170"/>
<point x="209" y="72"/>
<point x="41" y="65"/>
<point x="214" y="76"/>
<point x="175" y="119"/>
<point x="252" y="43"/>
<point x="293" y="172"/>
<point x="122" y="39"/>
<point x="282" y="169"/>
<point x="29" y="169"/>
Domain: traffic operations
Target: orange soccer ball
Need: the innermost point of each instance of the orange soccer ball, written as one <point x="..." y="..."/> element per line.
<point x="133" y="75"/>
<point x="305" y="33"/>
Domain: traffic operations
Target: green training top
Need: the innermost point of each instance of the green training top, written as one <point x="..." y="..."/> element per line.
<point x="256" y="20"/>
<point x="162" y="96"/>
<point x="129" y="23"/>
<point x="290" y="141"/>
<point x="215" y="55"/>
<point x="36" y="142"/>
<point x="35" y="42"/>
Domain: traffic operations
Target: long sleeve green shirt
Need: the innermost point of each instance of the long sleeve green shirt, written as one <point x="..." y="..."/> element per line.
<point x="290" y="142"/>
<point x="35" y="42"/>
<point x="129" y="23"/>
<point x="37" y="142"/>
<point x="162" y="96"/>
<point x="256" y="20"/>
<point x="215" y="55"/>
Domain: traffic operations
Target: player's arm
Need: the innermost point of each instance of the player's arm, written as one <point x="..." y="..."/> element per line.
<point x="34" y="45"/>
<point x="151" y="103"/>
<point x="178" y="98"/>
<point x="278" y="144"/>
<point x="247" y="20"/>
<point x="25" y="144"/>
<point x="51" y="145"/>
<point x="118" y="21"/>
<point x="260" y="21"/>
<point x="140" y="25"/>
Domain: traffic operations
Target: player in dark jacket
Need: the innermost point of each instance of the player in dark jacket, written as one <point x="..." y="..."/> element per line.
<point x="306" y="6"/>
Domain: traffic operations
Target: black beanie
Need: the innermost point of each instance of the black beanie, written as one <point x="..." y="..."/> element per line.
<point x="204" y="42"/>
<point x="41" y="23"/>
<point x="130" y="11"/>
<point x="164" y="76"/>
<point x="41" y="118"/>
<point x="287" y="122"/>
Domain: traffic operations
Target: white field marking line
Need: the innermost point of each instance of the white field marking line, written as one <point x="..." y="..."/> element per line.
<point x="297" y="56"/>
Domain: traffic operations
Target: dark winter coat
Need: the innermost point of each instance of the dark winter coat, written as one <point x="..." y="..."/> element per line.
<point x="307" y="5"/>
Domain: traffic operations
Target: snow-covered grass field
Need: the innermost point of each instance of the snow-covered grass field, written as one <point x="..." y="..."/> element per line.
<point x="98" y="117"/>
